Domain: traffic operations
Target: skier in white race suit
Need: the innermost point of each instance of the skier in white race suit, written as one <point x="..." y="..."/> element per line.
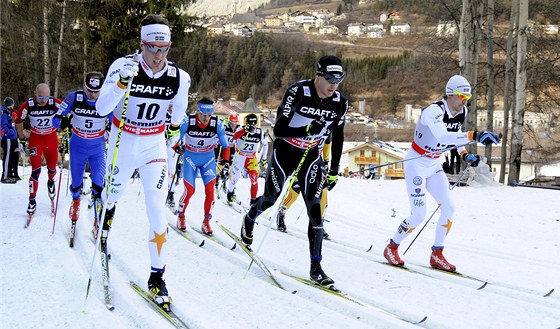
<point x="438" y="129"/>
<point x="156" y="83"/>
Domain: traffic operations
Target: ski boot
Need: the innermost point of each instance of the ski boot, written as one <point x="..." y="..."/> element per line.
<point x="32" y="206"/>
<point x="230" y="197"/>
<point x="247" y="231"/>
<point x="51" y="189"/>
<point x="438" y="261"/>
<point x="280" y="224"/>
<point x="391" y="254"/>
<point x="107" y="222"/>
<point x="181" y="222"/>
<point x="158" y="290"/>
<point x="319" y="277"/>
<point x="206" y="229"/>
<point x="252" y="202"/>
<point x="170" y="202"/>
<point x="75" y="210"/>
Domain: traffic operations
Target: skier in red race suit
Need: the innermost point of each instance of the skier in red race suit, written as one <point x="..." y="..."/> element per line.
<point x="39" y="112"/>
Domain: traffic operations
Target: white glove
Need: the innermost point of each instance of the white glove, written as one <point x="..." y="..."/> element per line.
<point x="128" y="70"/>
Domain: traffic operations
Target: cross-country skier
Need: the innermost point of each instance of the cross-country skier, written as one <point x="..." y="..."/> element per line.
<point x="156" y="83"/>
<point x="309" y="111"/>
<point x="224" y="154"/>
<point x="87" y="144"/>
<point x="438" y="129"/>
<point x="39" y="111"/>
<point x="247" y="141"/>
<point x="200" y="132"/>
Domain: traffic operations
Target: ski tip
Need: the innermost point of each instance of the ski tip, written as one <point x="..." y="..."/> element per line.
<point x="422" y="320"/>
<point x="110" y="307"/>
<point x="234" y="245"/>
<point x="549" y="293"/>
<point x="370" y="247"/>
<point x="483" y="286"/>
<point x="202" y="243"/>
<point x="294" y="292"/>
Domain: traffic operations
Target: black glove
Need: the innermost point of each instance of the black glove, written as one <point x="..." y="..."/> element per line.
<point x="315" y="127"/>
<point x="486" y="137"/>
<point x="179" y="148"/>
<point x="332" y="178"/>
<point x="472" y="159"/>
<point x="250" y="128"/>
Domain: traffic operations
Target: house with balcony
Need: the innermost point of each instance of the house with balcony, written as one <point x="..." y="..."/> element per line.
<point x="369" y="157"/>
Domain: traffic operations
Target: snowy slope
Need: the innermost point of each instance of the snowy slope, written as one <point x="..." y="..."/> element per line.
<point x="506" y="236"/>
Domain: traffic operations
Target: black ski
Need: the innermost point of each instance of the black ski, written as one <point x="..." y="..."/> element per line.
<point x="72" y="233"/>
<point x="253" y="257"/>
<point x="336" y="292"/>
<point x="169" y="315"/>
<point x="105" y="275"/>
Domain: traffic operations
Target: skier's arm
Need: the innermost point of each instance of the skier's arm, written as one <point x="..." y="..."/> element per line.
<point x="20" y="118"/>
<point x="181" y="100"/>
<point x="111" y="92"/>
<point x="264" y="144"/>
<point x="222" y="135"/>
<point x="183" y="129"/>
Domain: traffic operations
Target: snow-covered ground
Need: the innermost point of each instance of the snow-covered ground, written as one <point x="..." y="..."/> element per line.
<point x="508" y="236"/>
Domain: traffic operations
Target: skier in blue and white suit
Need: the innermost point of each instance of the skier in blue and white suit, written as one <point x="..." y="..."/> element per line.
<point x="87" y="143"/>
<point x="200" y="133"/>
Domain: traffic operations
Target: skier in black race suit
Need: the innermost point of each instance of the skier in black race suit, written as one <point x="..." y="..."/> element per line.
<point x="309" y="112"/>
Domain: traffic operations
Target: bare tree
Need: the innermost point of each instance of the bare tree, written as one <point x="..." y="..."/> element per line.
<point x="511" y="44"/>
<point x="59" y="58"/>
<point x="46" y="56"/>
<point x="520" y="94"/>
<point x="490" y="76"/>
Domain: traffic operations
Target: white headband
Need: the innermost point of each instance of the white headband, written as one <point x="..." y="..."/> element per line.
<point x="155" y="32"/>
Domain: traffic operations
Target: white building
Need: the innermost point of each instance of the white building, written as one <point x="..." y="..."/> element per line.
<point x="400" y="28"/>
<point x="328" y="29"/>
<point x="356" y="29"/>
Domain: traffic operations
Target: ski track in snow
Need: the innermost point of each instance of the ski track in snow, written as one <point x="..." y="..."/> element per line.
<point x="506" y="236"/>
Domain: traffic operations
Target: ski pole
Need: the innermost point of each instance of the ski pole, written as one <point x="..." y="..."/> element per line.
<point x="416" y="157"/>
<point x="108" y="188"/>
<point x="58" y="192"/>
<point x="439" y="205"/>
<point x="67" y="141"/>
<point x="292" y="180"/>
<point x="460" y="176"/>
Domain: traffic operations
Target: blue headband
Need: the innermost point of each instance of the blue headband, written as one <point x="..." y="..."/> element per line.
<point x="206" y="108"/>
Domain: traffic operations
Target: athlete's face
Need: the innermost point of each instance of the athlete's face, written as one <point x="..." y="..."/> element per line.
<point x="155" y="54"/>
<point x="91" y="94"/>
<point x="455" y="103"/>
<point x="204" y="119"/>
<point x="232" y="125"/>
<point x="324" y="88"/>
<point x="42" y="94"/>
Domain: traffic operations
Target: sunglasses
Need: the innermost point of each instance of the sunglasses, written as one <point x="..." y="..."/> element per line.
<point x="42" y="98"/>
<point x="92" y="91"/>
<point x="154" y="48"/>
<point x="332" y="79"/>
<point x="462" y="96"/>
